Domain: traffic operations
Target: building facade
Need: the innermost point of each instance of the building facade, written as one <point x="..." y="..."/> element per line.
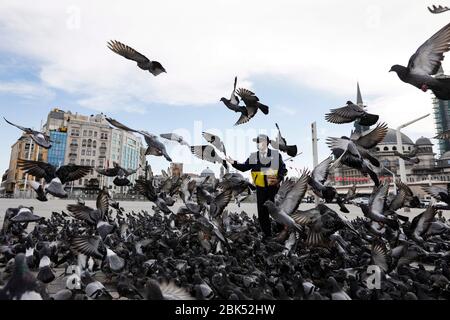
<point x="441" y="110"/>
<point x="23" y="148"/>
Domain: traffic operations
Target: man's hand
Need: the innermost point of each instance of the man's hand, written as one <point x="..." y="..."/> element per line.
<point x="272" y="180"/>
<point x="230" y="160"/>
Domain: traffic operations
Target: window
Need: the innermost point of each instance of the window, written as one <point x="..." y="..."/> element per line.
<point x="88" y="152"/>
<point x="93" y="163"/>
<point x="94" y="144"/>
<point x="394" y="148"/>
<point x="90" y="133"/>
<point x="83" y="152"/>
<point x="84" y="133"/>
<point x="82" y="162"/>
<point x="89" y="143"/>
<point x="93" y="153"/>
<point x="385" y="149"/>
<point x="83" y="144"/>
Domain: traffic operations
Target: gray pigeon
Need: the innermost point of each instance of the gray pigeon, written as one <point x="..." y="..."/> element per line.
<point x="425" y="63"/>
<point x="233" y="102"/>
<point x="215" y="141"/>
<point x="438" y="9"/>
<point x="351" y="113"/>
<point x="154" y="67"/>
<point x="174" y="137"/>
<point x="40" y="138"/>
<point x="252" y="105"/>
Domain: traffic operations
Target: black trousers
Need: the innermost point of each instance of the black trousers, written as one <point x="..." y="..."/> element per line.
<point x="262" y="195"/>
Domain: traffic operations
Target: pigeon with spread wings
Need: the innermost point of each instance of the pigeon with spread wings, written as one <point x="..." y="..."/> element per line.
<point x="281" y="144"/>
<point x="425" y="63"/>
<point x="119" y="173"/>
<point x="154" y="67"/>
<point x="233" y="102"/>
<point x="351" y="113"/>
<point x="40" y="138"/>
<point x="438" y="9"/>
<point x="174" y="137"/>
<point x="55" y="178"/>
<point x="252" y="105"/>
<point x="215" y="141"/>
<point x="208" y="153"/>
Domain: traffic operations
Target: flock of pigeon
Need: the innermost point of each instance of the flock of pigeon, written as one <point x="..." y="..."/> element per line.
<point x="203" y="251"/>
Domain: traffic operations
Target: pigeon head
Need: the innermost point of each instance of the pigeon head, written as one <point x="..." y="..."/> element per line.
<point x="400" y="70"/>
<point x="223" y="99"/>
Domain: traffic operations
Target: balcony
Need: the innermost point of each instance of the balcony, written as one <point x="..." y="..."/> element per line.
<point x="74" y="145"/>
<point x="72" y="155"/>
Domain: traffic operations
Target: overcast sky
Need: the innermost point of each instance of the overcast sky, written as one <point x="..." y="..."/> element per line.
<point x="301" y="58"/>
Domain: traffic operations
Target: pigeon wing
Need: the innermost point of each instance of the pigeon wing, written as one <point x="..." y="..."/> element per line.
<point x="27" y="130"/>
<point x="38" y="169"/>
<point x="119" y="125"/>
<point x="72" y="172"/>
<point x="378" y="198"/>
<point x="127" y="52"/>
<point x="374" y="137"/>
<point x="320" y="173"/>
<point x="428" y="58"/>
<point x="87" y="245"/>
<point x="295" y="196"/>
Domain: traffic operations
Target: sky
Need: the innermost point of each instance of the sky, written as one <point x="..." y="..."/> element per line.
<point x="301" y="58"/>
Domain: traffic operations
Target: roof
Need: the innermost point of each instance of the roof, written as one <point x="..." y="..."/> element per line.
<point x="422" y="141"/>
<point x="445" y="156"/>
<point x="391" y="138"/>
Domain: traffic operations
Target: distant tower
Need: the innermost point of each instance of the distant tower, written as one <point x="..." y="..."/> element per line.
<point x="441" y="109"/>
<point x="359" y="102"/>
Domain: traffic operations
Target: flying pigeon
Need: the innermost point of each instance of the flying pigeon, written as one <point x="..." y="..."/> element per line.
<point x="154" y="146"/>
<point x="438" y="9"/>
<point x="443" y="135"/>
<point x="425" y="63"/>
<point x="281" y="144"/>
<point x="40" y="138"/>
<point x="350" y="113"/>
<point x="55" y="178"/>
<point x="410" y="157"/>
<point x="233" y="102"/>
<point x="120" y="173"/>
<point x="154" y="67"/>
<point x="208" y="153"/>
<point x="215" y="141"/>
<point x="174" y="137"/>
<point x="252" y="105"/>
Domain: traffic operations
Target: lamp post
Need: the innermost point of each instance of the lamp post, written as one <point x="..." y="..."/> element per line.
<point x="315" y="154"/>
<point x="400" y="146"/>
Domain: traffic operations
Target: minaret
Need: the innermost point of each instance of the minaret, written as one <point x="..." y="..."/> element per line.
<point x="359" y="102"/>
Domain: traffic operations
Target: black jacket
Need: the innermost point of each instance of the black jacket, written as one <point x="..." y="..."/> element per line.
<point x="272" y="164"/>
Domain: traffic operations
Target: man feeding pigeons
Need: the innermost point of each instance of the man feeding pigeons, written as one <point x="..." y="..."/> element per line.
<point x="268" y="170"/>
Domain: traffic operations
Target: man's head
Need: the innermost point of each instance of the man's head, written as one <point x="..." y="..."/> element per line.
<point x="262" y="142"/>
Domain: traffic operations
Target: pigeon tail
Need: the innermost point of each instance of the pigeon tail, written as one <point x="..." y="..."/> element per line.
<point x="263" y="108"/>
<point x="368" y="119"/>
<point x="291" y="151"/>
<point x="442" y="92"/>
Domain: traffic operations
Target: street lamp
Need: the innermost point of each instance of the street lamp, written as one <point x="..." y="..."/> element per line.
<point x="400" y="146"/>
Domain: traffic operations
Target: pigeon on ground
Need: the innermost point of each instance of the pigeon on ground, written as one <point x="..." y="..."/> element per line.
<point x="215" y="141"/>
<point x="425" y="63"/>
<point x="208" y="153"/>
<point x="119" y="173"/>
<point x="166" y="291"/>
<point x="351" y="113"/>
<point x="40" y="138"/>
<point x="55" y="178"/>
<point x="154" y="67"/>
<point x="25" y="215"/>
<point x="22" y="284"/>
<point x="281" y="144"/>
<point x="438" y="9"/>
<point x="174" y="137"/>
<point x="146" y="188"/>
<point x="252" y="105"/>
